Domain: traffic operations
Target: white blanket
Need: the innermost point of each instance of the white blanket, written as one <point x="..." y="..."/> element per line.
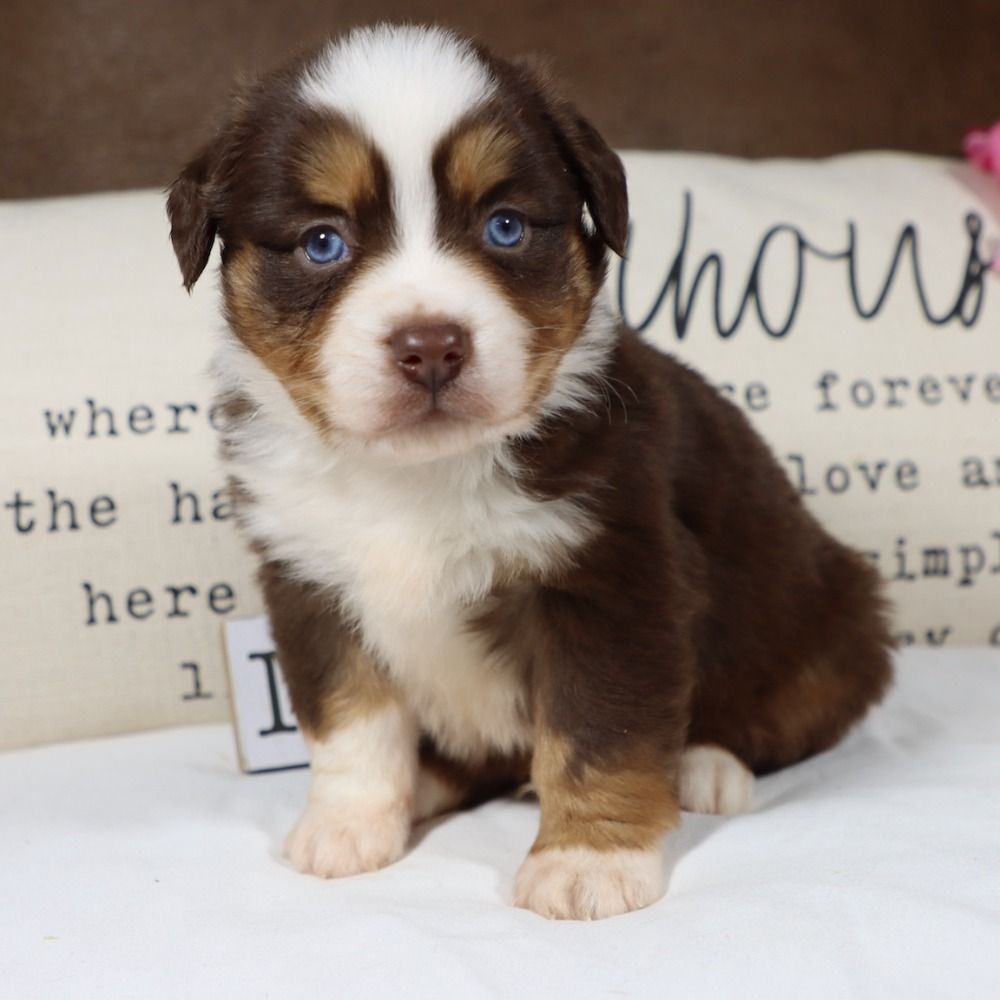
<point x="147" y="866"/>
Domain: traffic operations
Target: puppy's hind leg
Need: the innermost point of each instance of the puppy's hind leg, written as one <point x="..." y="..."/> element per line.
<point x="444" y="785"/>
<point x="825" y="666"/>
<point x="712" y="780"/>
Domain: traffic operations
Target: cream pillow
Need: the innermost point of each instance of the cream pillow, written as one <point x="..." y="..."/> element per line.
<point x="118" y="567"/>
<point x="119" y="560"/>
<point x="847" y="306"/>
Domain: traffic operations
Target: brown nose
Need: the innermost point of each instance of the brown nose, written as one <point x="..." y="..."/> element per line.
<point x="431" y="355"/>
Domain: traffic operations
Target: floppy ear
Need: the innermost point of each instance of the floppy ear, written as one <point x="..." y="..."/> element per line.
<point x="192" y="221"/>
<point x="601" y="175"/>
<point x="596" y="167"/>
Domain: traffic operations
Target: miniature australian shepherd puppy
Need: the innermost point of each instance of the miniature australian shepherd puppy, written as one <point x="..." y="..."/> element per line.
<point x="502" y="539"/>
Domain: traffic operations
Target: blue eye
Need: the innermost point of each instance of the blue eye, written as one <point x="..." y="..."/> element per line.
<point x="324" y="245"/>
<point x="504" y="229"/>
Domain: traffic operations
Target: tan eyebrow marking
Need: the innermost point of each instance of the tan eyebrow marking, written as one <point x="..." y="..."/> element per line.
<point x="479" y="158"/>
<point x="337" y="166"/>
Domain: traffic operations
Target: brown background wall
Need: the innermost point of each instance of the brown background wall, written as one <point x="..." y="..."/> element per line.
<point x="98" y="94"/>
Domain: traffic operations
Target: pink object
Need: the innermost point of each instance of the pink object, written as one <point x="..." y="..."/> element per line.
<point x="982" y="147"/>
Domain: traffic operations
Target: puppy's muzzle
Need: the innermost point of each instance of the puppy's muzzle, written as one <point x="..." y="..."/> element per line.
<point x="431" y="355"/>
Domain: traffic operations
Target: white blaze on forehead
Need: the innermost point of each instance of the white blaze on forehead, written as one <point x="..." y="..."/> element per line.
<point x="406" y="87"/>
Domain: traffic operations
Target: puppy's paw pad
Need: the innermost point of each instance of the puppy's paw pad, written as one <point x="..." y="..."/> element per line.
<point x="331" y="841"/>
<point x="578" y="883"/>
<point x="713" y="780"/>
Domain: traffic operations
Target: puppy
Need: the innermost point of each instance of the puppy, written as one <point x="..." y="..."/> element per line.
<point x="501" y="538"/>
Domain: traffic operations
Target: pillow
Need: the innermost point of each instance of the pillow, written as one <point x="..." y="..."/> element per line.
<point x="848" y="307"/>
<point x="878" y="383"/>
<point x="119" y="564"/>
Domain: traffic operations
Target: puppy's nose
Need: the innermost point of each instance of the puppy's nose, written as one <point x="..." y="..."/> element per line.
<point x="431" y="355"/>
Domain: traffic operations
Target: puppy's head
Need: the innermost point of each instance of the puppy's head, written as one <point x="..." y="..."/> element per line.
<point x="413" y="232"/>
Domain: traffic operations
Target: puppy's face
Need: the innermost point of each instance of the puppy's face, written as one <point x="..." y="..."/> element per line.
<point x="404" y="240"/>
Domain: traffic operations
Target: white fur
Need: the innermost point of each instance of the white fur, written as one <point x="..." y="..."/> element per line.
<point x="407" y="549"/>
<point x="579" y="883"/>
<point x="713" y="780"/>
<point x="361" y="797"/>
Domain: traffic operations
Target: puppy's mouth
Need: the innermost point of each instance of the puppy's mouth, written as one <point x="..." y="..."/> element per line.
<point x="415" y="426"/>
<point x="439" y="416"/>
<point x="438" y="408"/>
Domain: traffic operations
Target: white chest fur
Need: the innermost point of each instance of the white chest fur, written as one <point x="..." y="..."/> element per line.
<point x="409" y="551"/>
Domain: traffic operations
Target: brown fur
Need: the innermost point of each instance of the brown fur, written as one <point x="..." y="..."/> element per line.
<point x="331" y="680"/>
<point x="708" y="605"/>
<point x="295" y="360"/>
<point x="751" y="628"/>
<point x="627" y="804"/>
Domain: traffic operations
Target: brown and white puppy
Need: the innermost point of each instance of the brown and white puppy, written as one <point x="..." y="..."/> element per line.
<point x="502" y="538"/>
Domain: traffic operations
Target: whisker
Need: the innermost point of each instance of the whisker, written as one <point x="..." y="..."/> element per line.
<point x="608" y="388"/>
<point x="624" y="385"/>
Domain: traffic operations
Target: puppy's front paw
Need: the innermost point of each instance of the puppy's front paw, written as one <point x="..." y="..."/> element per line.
<point x="333" y="841"/>
<point x="578" y="883"/>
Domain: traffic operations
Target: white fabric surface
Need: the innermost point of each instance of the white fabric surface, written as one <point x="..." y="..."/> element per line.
<point x="147" y="866"/>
